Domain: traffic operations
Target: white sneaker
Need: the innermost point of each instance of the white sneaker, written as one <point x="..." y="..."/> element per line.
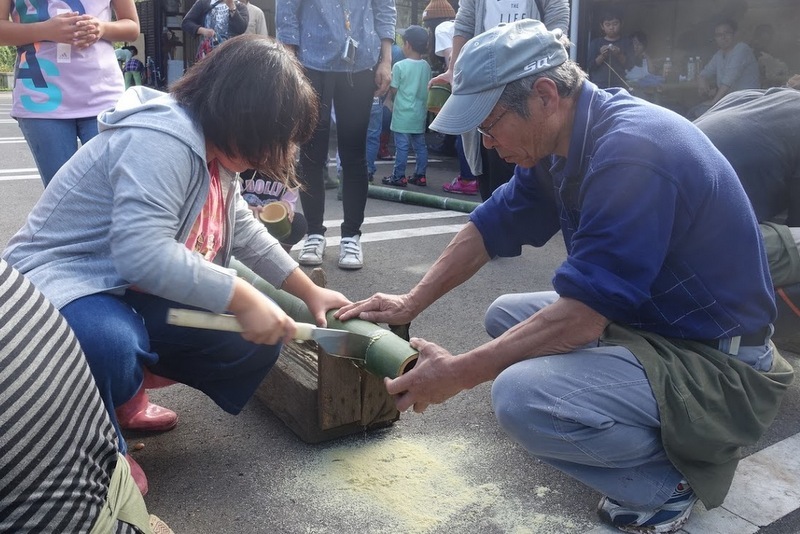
<point x="312" y="251"/>
<point x="350" y="255"/>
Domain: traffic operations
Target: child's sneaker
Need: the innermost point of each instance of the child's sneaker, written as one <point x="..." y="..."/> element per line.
<point x="461" y="186"/>
<point x="399" y="181"/>
<point x="669" y="518"/>
<point x="418" y="179"/>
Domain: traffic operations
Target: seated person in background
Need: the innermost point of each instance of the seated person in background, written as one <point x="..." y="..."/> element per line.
<point x="732" y="68"/>
<point x="67" y="474"/>
<point x="756" y="130"/>
<point x="611" y="55"/>
<point x="258" y="190"/>
<point x="641" y="67"/>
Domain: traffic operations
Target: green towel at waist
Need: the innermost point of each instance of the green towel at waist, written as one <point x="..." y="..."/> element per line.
<point x="711" y="404"/>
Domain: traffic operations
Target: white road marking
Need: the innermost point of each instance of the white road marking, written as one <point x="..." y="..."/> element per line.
<point x="29" y="173"/>
<point x="445" y="214"/>
<point x="392" y="235"/>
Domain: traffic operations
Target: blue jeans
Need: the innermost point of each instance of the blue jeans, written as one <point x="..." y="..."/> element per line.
<point x="401" y="142"/>
<point x="120" y="335"/>
<point x="54" y="141"/>
<point x="374" y="133"/>
<point x="590" y="413"/>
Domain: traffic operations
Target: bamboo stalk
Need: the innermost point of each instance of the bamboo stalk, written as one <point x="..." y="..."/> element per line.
<point x="387" y="355"/>
<point x="421" y="199"/>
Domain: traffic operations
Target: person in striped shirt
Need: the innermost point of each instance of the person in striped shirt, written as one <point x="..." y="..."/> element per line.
<point x="61" y="470"/>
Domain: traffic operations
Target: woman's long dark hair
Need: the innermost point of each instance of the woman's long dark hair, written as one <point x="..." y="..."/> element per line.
<point x="252" y="101"/>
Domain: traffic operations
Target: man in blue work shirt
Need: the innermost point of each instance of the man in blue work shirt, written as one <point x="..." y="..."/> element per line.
<point x="650" y="365"/>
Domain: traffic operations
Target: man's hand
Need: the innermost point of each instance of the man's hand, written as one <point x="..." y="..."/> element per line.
<point x="434" y="379"/>
<point x="380" y="308"/>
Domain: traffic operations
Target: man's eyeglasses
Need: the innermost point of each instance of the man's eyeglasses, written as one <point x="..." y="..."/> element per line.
<point x="485" y="131"/>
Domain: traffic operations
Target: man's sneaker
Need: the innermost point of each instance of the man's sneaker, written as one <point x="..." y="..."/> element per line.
<point x="669" y="518"/>
<point x="312" y="251"/>
<point x="418" y="179"/>
<point x="399" y="181"/>
<point x="350" y="254"/>
<point x="461" y="186"/>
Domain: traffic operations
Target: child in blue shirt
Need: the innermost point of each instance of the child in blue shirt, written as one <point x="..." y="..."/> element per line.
<point x="408" y="96"/>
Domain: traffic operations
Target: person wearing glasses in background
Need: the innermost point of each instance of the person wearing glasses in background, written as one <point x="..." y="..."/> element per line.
<point x="732" y="68"/>
<point x="649" y="367"/>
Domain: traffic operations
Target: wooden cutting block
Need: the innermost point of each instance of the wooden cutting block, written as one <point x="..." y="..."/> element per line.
<point x="322" y="397"/>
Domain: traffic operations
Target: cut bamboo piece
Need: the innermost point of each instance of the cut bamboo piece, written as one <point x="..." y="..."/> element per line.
<point x="387" y="355"/>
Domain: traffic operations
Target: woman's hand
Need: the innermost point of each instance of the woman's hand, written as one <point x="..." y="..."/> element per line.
<point x="262" y="320"/>
<point x="206" y="32"/>
<point x="89" y="31"/>
<point x="321" y="300"/>
<point x="64" y="28"/>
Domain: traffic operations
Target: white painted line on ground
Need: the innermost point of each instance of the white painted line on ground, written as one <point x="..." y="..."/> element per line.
<point x="411" y="159"/>
<point x="28" y="173"/>
<point x="20" y="177"/>
<point x="12" y="171"/>
<point x="7" y="140"/>
<point x="382" y="219"/>
<point x="766" y="487"/>
<point x="394" y="234"/>
<point x="8" y="121"/>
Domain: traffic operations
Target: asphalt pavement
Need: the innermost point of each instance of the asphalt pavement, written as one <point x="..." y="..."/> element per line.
<point x="448" y="470"/>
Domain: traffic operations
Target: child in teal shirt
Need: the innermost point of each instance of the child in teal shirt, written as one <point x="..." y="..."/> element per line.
<point x="408" y="96"/>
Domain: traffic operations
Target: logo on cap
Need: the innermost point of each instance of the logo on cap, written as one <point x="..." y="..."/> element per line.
<point x="540" y="64"/>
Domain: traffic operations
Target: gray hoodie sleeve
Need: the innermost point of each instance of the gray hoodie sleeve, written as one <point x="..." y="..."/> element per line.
<point x="151" y="214"/>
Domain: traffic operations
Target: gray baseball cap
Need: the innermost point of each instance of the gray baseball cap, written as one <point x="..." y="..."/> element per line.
<point x="491" y="60"/>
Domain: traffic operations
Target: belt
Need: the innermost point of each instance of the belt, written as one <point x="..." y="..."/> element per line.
<point x="731" y="345"/>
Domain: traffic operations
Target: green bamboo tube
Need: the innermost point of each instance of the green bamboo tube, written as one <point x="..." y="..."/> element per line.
<point x="421" y="199"/>
<point x="386" y="355"/>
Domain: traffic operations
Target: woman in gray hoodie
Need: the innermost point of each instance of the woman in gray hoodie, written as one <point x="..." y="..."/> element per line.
<point x="147" y="216"/>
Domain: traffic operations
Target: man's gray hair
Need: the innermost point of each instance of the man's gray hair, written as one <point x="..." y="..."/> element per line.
<point x="568" y="78"/>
